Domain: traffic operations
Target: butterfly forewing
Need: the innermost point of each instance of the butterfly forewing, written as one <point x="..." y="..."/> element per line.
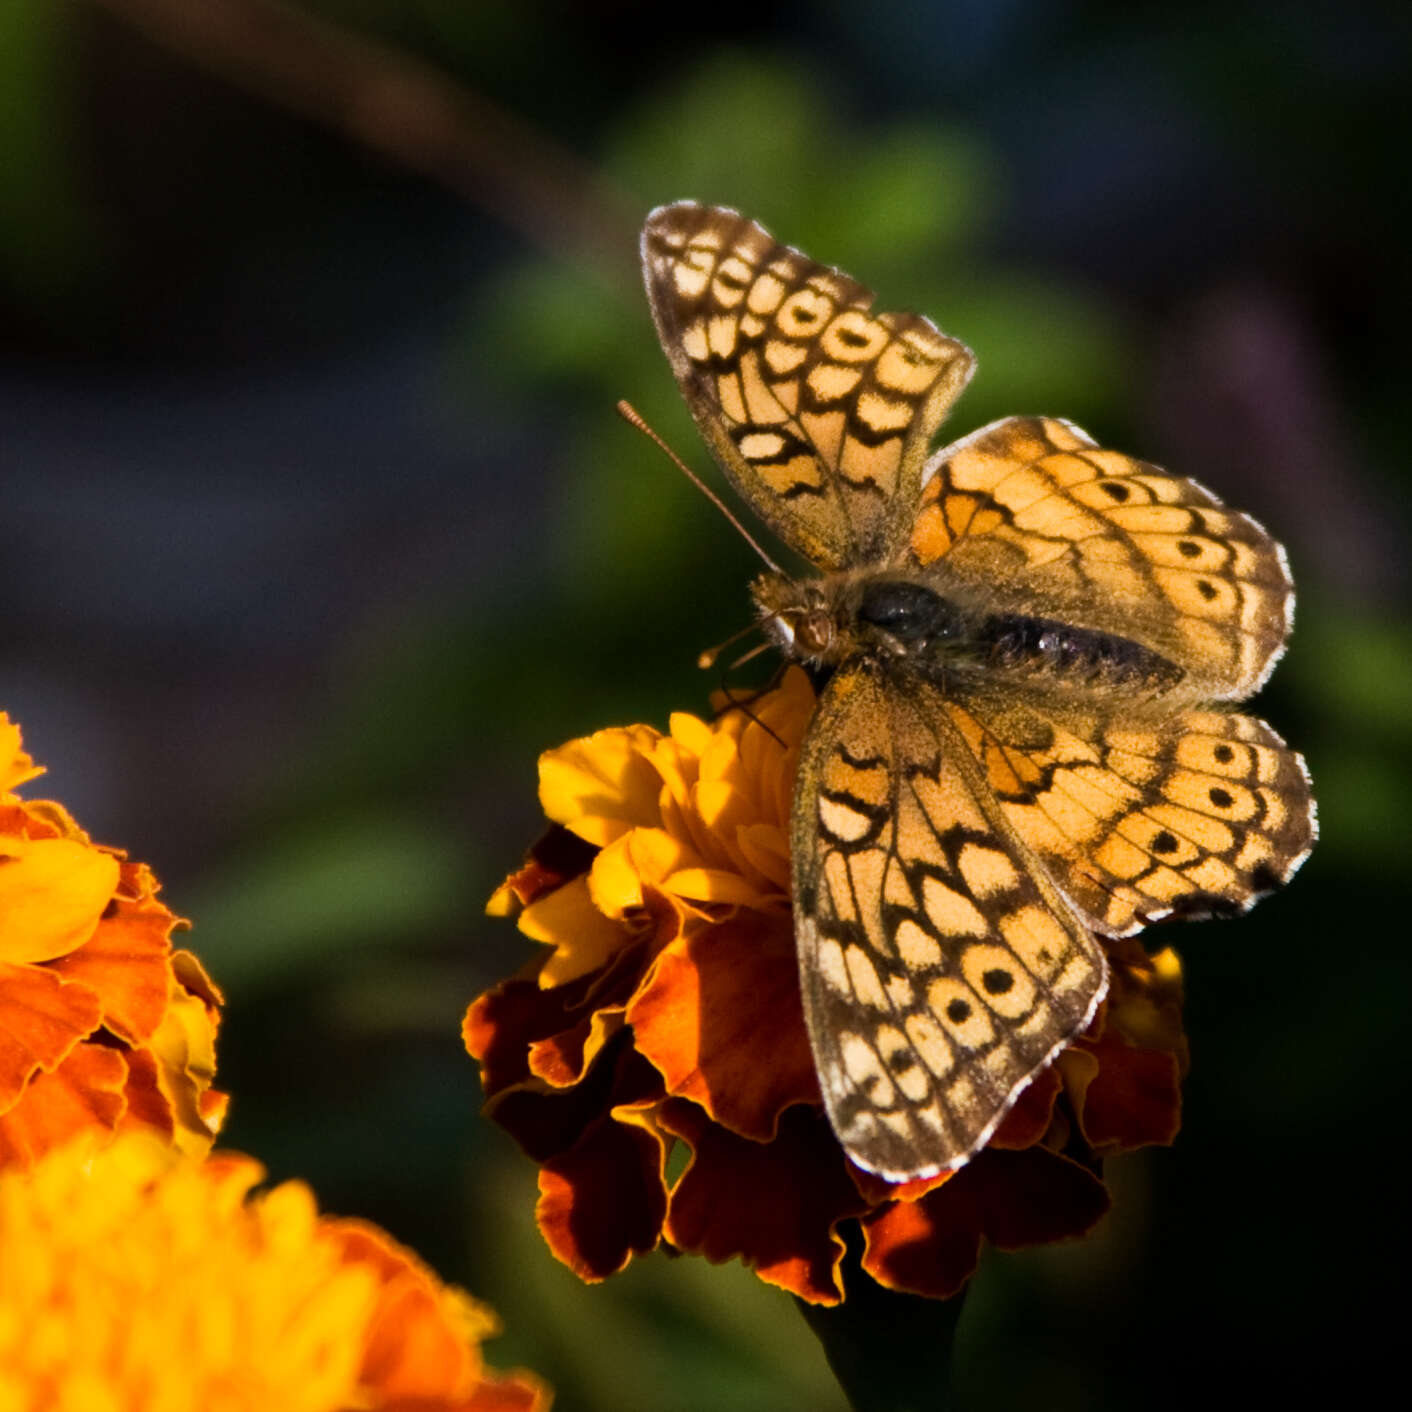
<point x="941" y="969"/>
<point x="819" y="411"/>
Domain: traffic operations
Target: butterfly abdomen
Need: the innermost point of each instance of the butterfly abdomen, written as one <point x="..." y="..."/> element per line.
<point x="1079" y="655"/>
<point x="886" y="617"/>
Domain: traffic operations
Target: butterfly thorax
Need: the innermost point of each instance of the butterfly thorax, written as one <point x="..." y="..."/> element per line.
<point x="883" y="616"/>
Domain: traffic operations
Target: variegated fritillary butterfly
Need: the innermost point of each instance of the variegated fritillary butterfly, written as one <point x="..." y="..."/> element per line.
<point x="1031" y="649"/>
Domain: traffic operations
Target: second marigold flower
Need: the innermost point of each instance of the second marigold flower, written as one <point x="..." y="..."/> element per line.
<point x="133" y="1279"/>
<point x="665" y="1014"/>
<point x="104" y="1026"/>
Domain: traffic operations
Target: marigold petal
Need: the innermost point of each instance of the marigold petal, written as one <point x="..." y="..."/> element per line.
<point x="1013" y="1199"/>
<point x="42" y="1017"/>
<point x="144" y="1103"/>
<point x="616" y="877"/>
<point x="52" y="891"/>
<point x="602" y="786"/>
<point x="766" y="848"/>
<point x="519" y="1391"/>
<point x="772" y="1205"/>
<point x="547" y="1121"/>
<point x="15" y="766"/>
<point x="582" y="937"/>
<point x="192" y="977"/>
<point x="184" y="1046"/>
<point x="127" y="961"/>
<point x="563" y="1059"/>
<point x="1133" y="1097"/>
<point x="719" y="1015"/>
<point x="1146" y="1004"/>
<point x="83" y="1094"/>
<point x="132" y="1279"/>
<point x="1034" y="1197"/>
<point x="877" y="1191"/>
<point x="420" y="1345"/>
<point x="501" y="1024"/>
<point x="556" y="856"/>
<point x="1028" y="1121"/>
<point x="47" y="818"/>
<point x="690" y="732"/>
<point x="907" y="1248"/>
<point x="713" y="885"/>
<point x="603" y="1201"/>
<point x="678" y="769"/>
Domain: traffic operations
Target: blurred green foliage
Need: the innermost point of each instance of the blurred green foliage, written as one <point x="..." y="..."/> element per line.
<point x="45" y="240"/>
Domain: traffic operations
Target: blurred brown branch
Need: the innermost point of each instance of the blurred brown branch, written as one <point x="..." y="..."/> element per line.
<point x="405" y="110"/>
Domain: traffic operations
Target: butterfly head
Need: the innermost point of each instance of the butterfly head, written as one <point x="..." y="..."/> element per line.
<point x="805" y="619"/>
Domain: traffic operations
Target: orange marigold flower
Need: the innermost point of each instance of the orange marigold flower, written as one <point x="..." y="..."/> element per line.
<point x="103" y="1026"/>
<point x="134" y="1279"/>
<point x="666" y="1014"/>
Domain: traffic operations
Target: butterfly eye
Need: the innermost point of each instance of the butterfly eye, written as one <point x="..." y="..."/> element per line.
<point x="815" y="632"/>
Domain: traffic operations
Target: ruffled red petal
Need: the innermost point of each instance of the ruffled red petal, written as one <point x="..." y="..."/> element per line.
<point x="556" y="858"/>
<point x="42" y="1017"/>
<point x="145" y="1104"/>
<point x="1028" y="1121"/>
<point x="503" y="1025"/>
<point x="773" y="1205"/>
<point x="1012" y="1199"/>
<point x="127" y="961"/>
<point x="709" y="1007"/>
<point x="1134" y="1099"/>
<point x="506" y="1392"/>
<point x="603" y="1201"/>
<point x="83" y="1093"/>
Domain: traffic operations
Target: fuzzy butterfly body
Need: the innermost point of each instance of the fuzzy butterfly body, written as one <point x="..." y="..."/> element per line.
<point x="1031" y="646"/>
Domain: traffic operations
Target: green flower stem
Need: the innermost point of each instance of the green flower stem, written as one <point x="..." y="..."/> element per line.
<point x="890" y="1352"/>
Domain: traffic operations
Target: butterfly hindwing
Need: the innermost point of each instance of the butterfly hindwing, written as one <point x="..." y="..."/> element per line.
<point x="819" y="411"/>
<point x="1195" y="814"/>
<point x="1032" y="512"/>
<point x="940" y="967"/>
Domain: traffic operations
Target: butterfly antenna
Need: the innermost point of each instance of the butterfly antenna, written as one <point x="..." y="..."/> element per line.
<point x="708" y="658"/>
<point x="734" y="703"/>
<point x="633" y="418"/>
<point x="749" y="656"/>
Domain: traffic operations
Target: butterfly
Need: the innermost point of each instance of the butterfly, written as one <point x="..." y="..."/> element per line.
<point x="1030" y="648"/>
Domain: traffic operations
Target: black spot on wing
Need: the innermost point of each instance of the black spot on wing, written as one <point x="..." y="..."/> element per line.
<point x="997" y="981"/>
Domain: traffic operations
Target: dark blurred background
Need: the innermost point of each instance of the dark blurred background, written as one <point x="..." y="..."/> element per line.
<point x="318" y="525"/>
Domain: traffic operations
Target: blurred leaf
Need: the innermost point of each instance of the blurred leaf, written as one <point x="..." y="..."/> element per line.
<point x="44" y="228"/>
<point x="360" y="883"/>
<point x="1355" y="665"/>
<point x="915" y="196"/>
<point x="741" y="130"/>
<point x="1041" y="349"/>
